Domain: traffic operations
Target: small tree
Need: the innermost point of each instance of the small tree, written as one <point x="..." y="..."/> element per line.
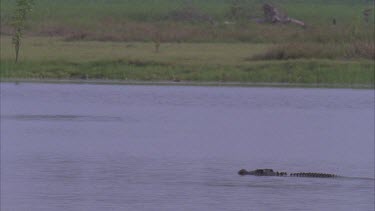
<point x="157" y="41"/>
<point x="23" y="7"/>
<point x="157" y="37"/>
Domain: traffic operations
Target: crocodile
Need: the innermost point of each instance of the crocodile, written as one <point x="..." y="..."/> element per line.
<point x="271" y="172"/>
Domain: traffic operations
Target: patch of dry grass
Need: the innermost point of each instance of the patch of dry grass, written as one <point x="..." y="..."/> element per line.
<point x="298" y="50"/>
<point x="361" y="49"/>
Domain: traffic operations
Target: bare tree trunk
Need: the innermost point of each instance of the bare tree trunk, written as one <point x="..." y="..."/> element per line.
<point x="17" y="44"/>
<point x="157" y="39"/>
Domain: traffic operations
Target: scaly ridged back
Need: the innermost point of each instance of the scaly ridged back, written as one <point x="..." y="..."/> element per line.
<point x="310" y="174"/>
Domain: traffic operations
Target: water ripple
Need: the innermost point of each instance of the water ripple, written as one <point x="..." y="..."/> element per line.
<point x="60" y="117"/>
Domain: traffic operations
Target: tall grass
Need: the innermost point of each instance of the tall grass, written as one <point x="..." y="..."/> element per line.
<point x="300" y="72"/>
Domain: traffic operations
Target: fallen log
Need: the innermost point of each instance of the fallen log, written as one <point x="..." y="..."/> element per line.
<point x="273" y="15"/>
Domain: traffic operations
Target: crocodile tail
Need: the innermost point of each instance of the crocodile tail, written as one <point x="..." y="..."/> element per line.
<point x="313" y="174"/>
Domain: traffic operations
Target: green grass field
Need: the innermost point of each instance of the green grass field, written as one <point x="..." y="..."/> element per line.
<point x="54" y="58"/>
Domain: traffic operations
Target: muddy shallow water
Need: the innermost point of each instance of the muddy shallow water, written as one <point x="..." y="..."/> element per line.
<point x="108" y="147"/>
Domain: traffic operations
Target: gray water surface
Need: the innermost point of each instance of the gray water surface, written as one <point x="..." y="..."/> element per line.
<point x="103" y="147"/>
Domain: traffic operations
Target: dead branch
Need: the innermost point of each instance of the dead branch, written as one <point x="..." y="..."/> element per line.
<point x="273" y="15"/>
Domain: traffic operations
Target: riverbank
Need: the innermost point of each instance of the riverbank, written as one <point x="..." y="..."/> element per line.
<point x="196" y="63"/>
<point x="18" y="81"/>
<point x="210" y="42"/>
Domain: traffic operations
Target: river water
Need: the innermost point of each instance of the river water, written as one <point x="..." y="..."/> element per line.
<point x="109" y="147"/>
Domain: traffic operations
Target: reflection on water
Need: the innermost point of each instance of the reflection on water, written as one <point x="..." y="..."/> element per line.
<point x="88" y="147"/>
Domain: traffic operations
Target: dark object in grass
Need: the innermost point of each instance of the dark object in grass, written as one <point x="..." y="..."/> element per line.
<point x="366" y="14"/>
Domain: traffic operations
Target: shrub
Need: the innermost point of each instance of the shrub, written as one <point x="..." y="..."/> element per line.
<point x="300" y="50"/>
<point x="361" y="49"/>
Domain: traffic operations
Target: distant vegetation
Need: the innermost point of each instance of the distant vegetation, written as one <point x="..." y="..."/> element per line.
<point x="193" y="20"/>
<point x="338" y="34"/>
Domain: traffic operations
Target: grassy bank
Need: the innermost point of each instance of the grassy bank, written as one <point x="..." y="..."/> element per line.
<point x="53" y="58"/>
<point x="297" y="72"/>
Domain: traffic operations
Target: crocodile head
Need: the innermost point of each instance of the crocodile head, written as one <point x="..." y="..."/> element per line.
<point x="258" y="172"/>
<point x="243" y="172"/>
